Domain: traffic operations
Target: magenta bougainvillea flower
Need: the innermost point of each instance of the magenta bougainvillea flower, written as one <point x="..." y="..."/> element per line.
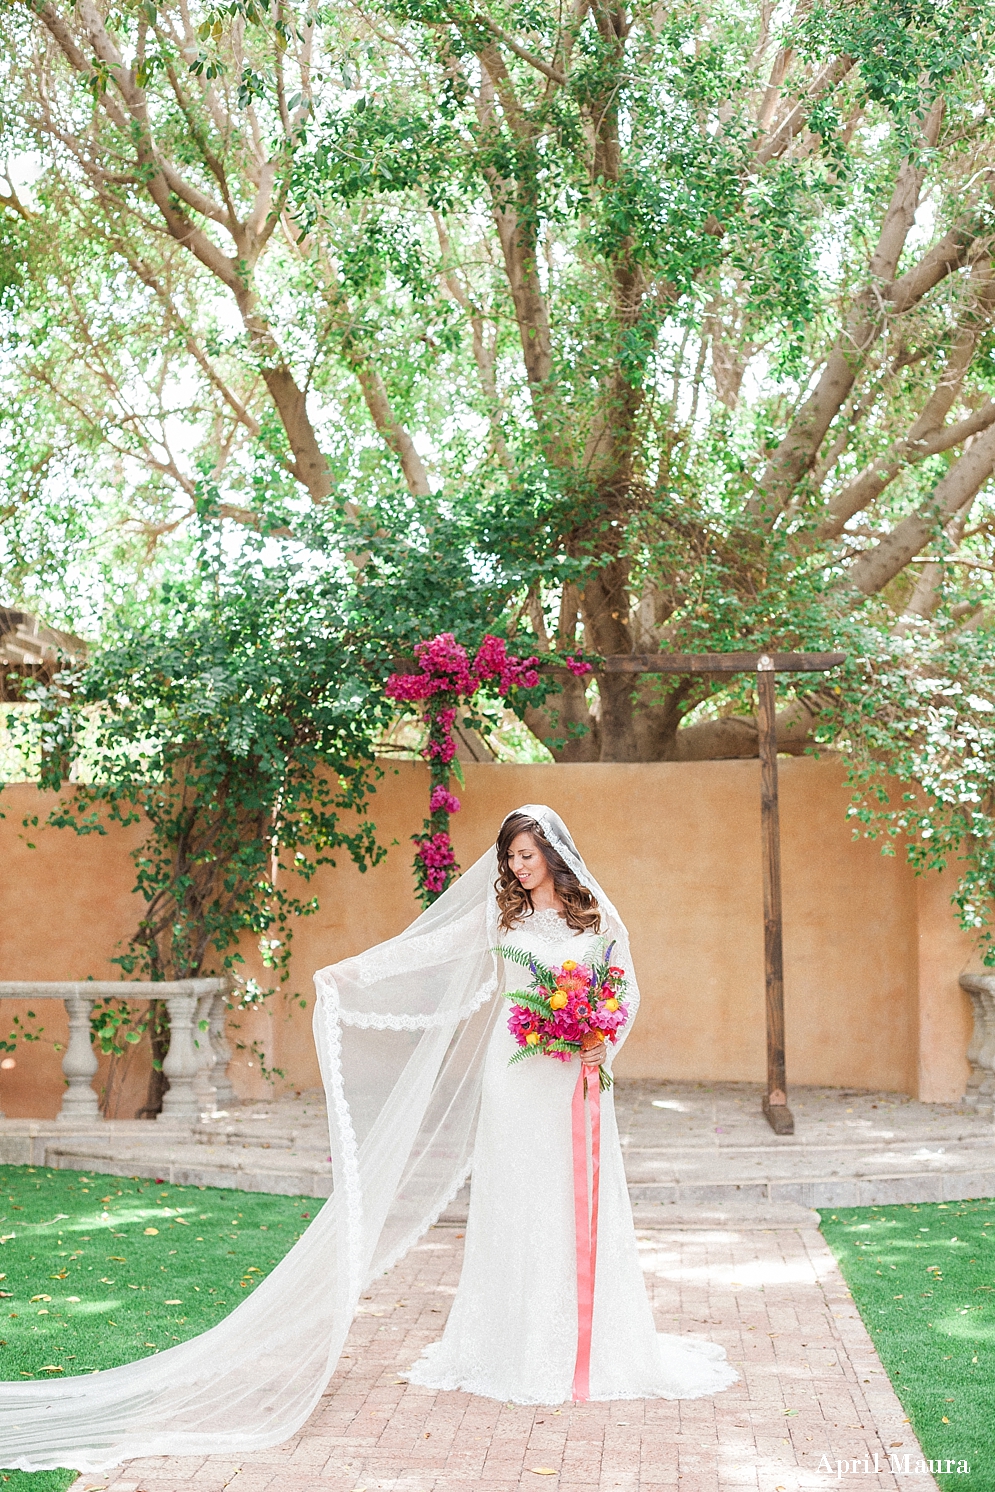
<point x="443" y="801"/>
<point x="449" y="678"/>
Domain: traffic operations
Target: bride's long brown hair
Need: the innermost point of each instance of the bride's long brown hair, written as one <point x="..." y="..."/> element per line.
<point x="580" y="909"/>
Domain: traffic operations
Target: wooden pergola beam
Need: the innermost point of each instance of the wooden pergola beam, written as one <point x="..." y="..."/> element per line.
<point x="690" y="663"/>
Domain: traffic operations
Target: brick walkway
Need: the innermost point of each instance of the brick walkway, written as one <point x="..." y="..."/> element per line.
<point x="764" y="1285"/>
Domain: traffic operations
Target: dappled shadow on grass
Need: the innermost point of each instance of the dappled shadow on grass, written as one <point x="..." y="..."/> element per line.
<point x="923" y="1278"/>
<point x="99" y="1270"/>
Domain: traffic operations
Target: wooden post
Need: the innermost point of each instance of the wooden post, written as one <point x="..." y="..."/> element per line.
<point x="765" y="665"/>
<point x="775" y="1101"/>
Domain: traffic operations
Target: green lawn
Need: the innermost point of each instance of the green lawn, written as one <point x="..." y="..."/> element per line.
<point x="99" y="1270"/>
<point x="923" y="1279"/>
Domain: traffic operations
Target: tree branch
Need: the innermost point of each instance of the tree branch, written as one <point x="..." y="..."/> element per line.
<point x="796" y="118"/>
<point x="482" y="357"/>
<point x="552" y="73"/>
<point x="927" y="436"/>
<point x="928" y="589"/>
<point x="873" y="569"/>
<point x="908" y="452"/>
<point x="883" y="297"/>
<point x="518" y="245"/>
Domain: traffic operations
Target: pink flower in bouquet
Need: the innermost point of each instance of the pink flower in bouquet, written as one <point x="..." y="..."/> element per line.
<point x="523" y="1023"/>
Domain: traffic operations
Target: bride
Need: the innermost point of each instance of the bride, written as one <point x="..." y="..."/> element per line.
<point x="512" y="1330"/>
<point x="413" y="1042"/>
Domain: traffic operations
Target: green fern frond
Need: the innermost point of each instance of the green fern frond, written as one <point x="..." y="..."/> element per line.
<point x="531" y="1001"/>
<point x="526" y="1051"/>
<point x="528" y="960"/>
<point x="517" y="955"/>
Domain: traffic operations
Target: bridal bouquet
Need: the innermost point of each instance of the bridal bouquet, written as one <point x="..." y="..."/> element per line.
<point x="568" y="1008"/>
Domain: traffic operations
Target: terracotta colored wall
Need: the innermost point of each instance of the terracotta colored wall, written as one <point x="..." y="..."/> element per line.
<point x="872" y="954"/>
<point x="944" y="1011"/>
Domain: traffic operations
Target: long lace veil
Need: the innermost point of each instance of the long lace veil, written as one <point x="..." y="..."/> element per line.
<point x="401" y="1032"/>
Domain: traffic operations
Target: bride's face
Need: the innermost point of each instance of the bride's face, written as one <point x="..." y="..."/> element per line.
<point x="528" y="864"/>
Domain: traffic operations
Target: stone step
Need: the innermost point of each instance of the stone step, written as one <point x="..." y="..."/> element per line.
<point x="686" y="1146"/>
<point x="246" y="1168"/>
<point x="202" y="1135"/>
<point x="828" y="1191"/>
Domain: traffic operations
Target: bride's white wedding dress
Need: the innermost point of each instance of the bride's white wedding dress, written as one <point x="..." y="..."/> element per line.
<point x="512" y="1329"/>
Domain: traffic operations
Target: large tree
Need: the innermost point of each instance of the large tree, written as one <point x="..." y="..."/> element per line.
<point x="631" y="327"/>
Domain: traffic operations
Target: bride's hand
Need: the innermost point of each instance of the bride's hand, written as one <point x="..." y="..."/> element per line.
<point x="595" y="1055"/>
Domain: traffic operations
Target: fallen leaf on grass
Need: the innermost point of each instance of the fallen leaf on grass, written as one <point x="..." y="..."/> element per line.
<point x="151" y="1231"/>
<point x="51" y="1368"/>
<point x="40" y="1297"/>
<point x="172" y="1302"/>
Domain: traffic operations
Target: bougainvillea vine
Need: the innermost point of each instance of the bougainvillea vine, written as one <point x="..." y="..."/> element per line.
<point x="448" y="681"/>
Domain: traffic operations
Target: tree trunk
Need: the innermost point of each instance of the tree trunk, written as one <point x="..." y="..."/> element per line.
<point x="159" y="1040"/>
<point x="735" y="736"/>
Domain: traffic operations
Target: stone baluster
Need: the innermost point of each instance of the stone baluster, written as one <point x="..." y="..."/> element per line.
<point x="225" y="1095"/>
<point x="986" y="1056"/>
<point x="981" y="1050"/>
<point x="182" y="1060"/>
<point x="206" y="1056"/>
<point x="79" y="1102"/>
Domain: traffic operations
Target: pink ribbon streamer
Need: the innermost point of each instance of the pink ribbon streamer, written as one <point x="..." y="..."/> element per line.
<point x="587" y="1094"/>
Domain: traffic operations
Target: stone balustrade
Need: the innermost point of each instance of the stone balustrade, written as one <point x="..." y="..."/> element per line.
<point x="196" y="1063"/>
<point x="981" y="1051"/>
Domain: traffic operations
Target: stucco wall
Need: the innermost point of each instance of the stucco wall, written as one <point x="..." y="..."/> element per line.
<point x="872" y="954"/>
